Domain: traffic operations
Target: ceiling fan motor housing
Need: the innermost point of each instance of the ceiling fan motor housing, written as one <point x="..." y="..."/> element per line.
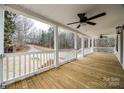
<point x="84" y="19"/>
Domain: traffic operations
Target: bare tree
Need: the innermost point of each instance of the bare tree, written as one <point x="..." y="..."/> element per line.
<point x="23" y="25"/>
<point x="27" y="25"/>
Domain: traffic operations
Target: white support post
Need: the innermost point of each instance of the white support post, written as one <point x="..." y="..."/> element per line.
<point x="75" y="44"/>
<point x="123" y="47"/>
<point x="119" y="48"/>
<point x="1" y="43"/>
<point x="115" y="44"/>
<point x="56" y="46"/>
<point x="88" y="42"/>
<point x="82" y="46"/>
<point x="92" y="45"/>
<point x="89" y="48"/>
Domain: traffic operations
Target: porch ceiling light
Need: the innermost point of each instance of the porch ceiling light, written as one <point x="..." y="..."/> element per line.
<point x="119" y="29"/>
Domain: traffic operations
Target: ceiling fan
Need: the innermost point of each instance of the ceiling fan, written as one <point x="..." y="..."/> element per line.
<point x="105" y="35"/>
<point x="84" y="19"/>
<point x="102" y="36"/>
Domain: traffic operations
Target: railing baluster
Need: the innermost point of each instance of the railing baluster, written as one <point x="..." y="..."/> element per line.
<point x="24" y="64"/>
<point x="29" y="63"/>
<point x="40" y="60"/>
<point x="52" y="55"/>
<point x="7" y="68"/>
<point x="49" y="59"/>
<point x="37" y="61"/>
<point x="13" y="66"/>
<point x="43" y="59"/>
<point x="46" y="59"/>
<point x="19" y="65"/>
<point x="33" y="62"/>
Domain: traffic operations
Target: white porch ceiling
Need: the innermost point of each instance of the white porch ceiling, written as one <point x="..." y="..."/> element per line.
<point x="66" y="13"/>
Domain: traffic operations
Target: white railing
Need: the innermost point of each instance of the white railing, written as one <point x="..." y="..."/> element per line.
<point x="66" y="56"/>
<point x="87" y="51"/>
<point x="104" y="49"/>
<point x="17" y="65"/>
<point x="79" y="53"/>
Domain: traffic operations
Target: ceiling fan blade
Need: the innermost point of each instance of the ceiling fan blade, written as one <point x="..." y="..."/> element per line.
<point x="91" y="23"/>
<point x="96" y="16"/>
<point x="78" y="26"/>
<point x="73" y="23"/>
<point x="81" y="15"/>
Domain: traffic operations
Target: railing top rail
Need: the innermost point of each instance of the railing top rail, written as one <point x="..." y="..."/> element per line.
<point x="103" y="47"/>
<point x="27" y="53"/>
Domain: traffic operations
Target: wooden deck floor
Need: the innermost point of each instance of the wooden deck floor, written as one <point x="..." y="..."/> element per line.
<point x="97" y="70"/>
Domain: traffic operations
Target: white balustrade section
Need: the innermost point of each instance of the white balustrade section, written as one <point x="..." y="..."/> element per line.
<point x="67" y="56"/>
<point x="17" y="65"/>
<point x="104" y="49"/>
<point x="87" y="51"/>
<point x="79" y="53"/>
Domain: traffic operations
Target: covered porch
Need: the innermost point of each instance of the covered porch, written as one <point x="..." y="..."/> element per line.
<point x="73" y="58"/>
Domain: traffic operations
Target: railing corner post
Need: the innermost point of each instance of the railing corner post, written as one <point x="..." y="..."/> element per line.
<point x="1" y="43"/>
<point x="75" y="44"/>
<point x="82" y="46"/>
<point x="56" y="46"/>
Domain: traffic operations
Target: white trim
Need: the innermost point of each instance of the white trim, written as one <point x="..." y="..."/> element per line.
<point x="82" y="46"/>
<point x="123" y="47"/>
<point x="75" y="44"/>
<point x="92" y="43"/>
<point x="1" y="42"/>
<point x="27" y="53"/>
<point x="56" y="46"/>
<point x="1" y="29"/>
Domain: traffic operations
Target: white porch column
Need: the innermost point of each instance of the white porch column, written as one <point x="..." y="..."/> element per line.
<point x="88" y="42"/>
<point x="115" y="44"/>
<point x="56" y="46"/>
<point x="82" y="46"/>
<point x="89" y="48"/>
<point x="123" y="46"/>
<point x="1" y="42"/>
<point x="75" y="44"/>
<point x="92" y="47"/>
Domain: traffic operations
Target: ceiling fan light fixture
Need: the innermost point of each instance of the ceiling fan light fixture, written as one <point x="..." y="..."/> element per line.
<point x="84" y="24"/>
<point x="101" y="36"/>
<point x="85" y="20"/>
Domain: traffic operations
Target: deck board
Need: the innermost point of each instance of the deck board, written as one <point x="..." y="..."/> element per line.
<point x="88" y="72"/>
